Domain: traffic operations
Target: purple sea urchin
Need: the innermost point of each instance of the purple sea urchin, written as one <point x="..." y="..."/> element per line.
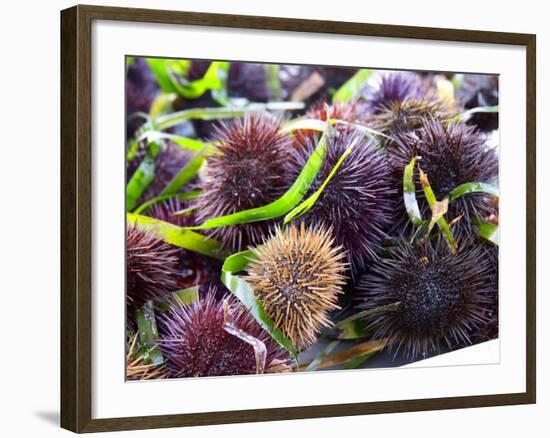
<point x="297" y="275"/>
<point x="394" y="87"/>
<point x="217" y="338"/>
<point x="439" y="298"/>
<point x="359" y="201"/>
<point x="172" y="211"/>
<point x="451" y="155"/>
<point x="250" y="171"/>
<point x="151" y="267"/>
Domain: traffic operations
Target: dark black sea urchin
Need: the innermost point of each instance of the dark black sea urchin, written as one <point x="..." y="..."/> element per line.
<point x="151" y="267"/>
<point x="297" y="275"/>
<point x="359" y="201"/>
<point x="217" y="338"/>
<point x="442" y="298"/>
<point x="450" y="156"/>
<point x="250" y="171"/>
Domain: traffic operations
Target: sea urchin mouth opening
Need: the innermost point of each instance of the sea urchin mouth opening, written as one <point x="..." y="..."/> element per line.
<point x="297" y="275"/>
<point x="440" y="298"/>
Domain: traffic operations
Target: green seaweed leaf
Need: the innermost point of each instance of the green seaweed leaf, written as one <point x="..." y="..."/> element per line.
<point x="352" y="86"/>
<point x="187" y="296"/>
<point x="409" y="194"/>
<point x="466" y="115"/>
<point x="473" y="187"/>
<point x="185" y="143"/>
<point x="489" y="232"/>
<point x="244" y="292"/>
<point x="185" y="175"/>
<point x="179" y="236"/>
<point x="142" y="177"/>
<point x="286" y="202"/>
<point x="433" y="203"/>
<point x="228" y="112"/>
<point x="193" y="194"/>
<point x="273" y="82"/>
<point x="148" y="334"/>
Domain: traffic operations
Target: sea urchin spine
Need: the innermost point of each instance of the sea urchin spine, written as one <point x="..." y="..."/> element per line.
<point x="297" y="275"/>
<point x="359" y="201"/>
<point x="450" y="156"/>
<point x="200" y="340"/>
<point x="151" y="267"/>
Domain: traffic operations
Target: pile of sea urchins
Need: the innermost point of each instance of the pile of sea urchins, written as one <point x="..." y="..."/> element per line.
<point x="355" y="250"/>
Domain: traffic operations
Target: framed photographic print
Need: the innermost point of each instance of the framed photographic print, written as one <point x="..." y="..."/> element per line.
<point x="267" y="219"/>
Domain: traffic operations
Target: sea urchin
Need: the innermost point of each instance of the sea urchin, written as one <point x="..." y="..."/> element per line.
<point x="297" y="275"/>
<point x="217" y="338"/>
<point x="437" y="297"/>
<point x="394" y="87"/>
<point x="151" y="267"/>
<point x="250" y="171"/>
<point x="450" y="156"/>
<point x="359" y="200"/>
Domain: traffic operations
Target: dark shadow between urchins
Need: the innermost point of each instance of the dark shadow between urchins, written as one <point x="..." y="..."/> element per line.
<point x="450" y="156"/>
<point x="199" y="340"/>
<point x="194" y="268"/>
<point x="359" y="201"/>
<point x="476" y="91"/>
<point x="250" y="170"/>
<point x="443" y="298"/>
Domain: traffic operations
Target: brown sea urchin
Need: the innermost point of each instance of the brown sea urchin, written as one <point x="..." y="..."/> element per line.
<point x="439" y="298"/>
<point x="250" y="171"/>
<point x="151" y="267"/>
<point x="217" y="338"/>
<point x="297" y="275"/>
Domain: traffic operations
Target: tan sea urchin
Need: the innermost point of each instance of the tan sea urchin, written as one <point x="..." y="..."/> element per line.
<point x="297" y="275"/>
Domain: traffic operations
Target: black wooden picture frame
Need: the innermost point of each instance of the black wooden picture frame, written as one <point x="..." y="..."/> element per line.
<point x="76" y="222"/>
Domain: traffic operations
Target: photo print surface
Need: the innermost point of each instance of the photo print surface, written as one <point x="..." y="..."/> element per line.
<point x="300" y="218"/>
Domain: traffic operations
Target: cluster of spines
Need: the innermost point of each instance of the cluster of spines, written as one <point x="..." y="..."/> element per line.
<point x="297" y="275"/>
<point x="250" y="170"/>
<point x="359" y="201"/>
<point x="200" y="340"/>
<point x="428" y="297"/>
